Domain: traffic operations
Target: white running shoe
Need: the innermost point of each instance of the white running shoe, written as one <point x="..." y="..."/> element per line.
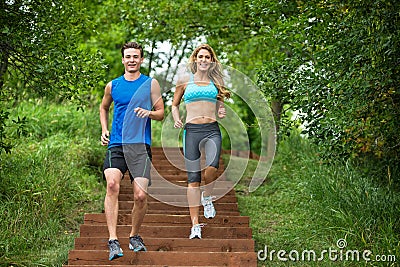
<point x="209" y="210"/>
<point x="196" y="231"/>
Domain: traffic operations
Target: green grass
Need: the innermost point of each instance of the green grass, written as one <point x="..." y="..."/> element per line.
<point x="48" y="181"/>
<point x="307" y="205"/>
<point x="52" y="177"/>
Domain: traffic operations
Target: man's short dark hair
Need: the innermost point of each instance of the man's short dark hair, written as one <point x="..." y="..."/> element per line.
<point x="132" y="45"/>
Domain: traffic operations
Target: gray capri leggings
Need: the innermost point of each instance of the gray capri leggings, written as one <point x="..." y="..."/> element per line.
<point x="196" y="137"/>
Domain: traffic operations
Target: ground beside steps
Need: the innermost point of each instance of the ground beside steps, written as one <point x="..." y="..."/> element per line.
<point x="227" y="239"/>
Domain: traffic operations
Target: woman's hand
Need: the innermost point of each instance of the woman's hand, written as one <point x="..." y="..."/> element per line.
<point x="178" y="124"/>
<point x="221" y="112"/>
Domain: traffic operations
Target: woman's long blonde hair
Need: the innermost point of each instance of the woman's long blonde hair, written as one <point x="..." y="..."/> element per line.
<point x="214" y="72"/>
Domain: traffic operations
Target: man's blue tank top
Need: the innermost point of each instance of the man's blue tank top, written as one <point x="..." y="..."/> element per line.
<point x="128" y="95"/>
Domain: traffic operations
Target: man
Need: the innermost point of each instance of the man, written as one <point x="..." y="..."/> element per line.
<point x="137" y="100"/>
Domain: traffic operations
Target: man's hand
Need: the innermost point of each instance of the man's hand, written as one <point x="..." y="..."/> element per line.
<point x="141" y="112"/>
<point x="105" y="138"/>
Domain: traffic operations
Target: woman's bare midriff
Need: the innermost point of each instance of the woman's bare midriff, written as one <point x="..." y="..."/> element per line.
<point x="200" y="112"/>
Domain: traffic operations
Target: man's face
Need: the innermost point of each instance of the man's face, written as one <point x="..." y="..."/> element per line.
<point x="132" y="60"/>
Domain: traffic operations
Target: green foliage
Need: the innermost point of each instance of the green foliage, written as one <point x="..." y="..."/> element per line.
<point x="306" y="204"/>
<point x="41" y="56"/>
<point x="357" y="88"/>
<point x="169" y="30"/>
<point x="40" y="50"/>
<point x="337" y="65"/>
<point x="47" y="119"/>
<point x="334" y="62"/>
<point x="48" y="181"/>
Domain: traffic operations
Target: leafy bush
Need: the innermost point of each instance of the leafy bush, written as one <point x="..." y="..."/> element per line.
<point x="306" y="204"/>
<point x="51" y="177"/>
<point x="336" y="64"/>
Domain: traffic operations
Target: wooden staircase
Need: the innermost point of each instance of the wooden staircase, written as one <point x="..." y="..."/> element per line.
<point x="227" y="238"/>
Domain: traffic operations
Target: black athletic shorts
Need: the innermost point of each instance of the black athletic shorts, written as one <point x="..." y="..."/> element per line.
<point x="197" y="137"/>
<point x="134" y="157"/>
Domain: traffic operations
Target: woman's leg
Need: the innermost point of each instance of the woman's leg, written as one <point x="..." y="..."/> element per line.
<point x="212" y="148"/>
<point x="210" y="175"/>
<point x="193" y="195"/>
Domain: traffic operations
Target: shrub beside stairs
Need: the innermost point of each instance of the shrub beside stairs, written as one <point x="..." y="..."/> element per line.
<point x="227" y="238"/>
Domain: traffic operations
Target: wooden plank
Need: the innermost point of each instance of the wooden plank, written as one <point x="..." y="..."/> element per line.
<point x="126" y="205"/>
<point x="182" y="212"/>
<point x="227" y="239"/>
<point x="176" y="231"/>
<point x="176" y="198"/>
<point x="160" y="182"/>
<point x="128" y="265"/>
<point x="172" y="244"/>
<point x="177" y="162"/>
<point x="152" y="258"/>
<point x="152" y="190"/>
<point x="166" y="220"/>
<point x="173" y="177"/>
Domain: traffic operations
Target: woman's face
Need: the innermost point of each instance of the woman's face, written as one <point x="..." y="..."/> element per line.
<point x="203" y="60"/>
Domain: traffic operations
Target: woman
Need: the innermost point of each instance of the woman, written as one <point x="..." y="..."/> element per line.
<point x="203" y="92"/>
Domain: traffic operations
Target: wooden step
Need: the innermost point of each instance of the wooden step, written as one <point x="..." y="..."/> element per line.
<point x="161" y="182"/>
<point x="173" y="177"/>
<point x="176" y="161"/>
<point x="227" y="238"/>
<point x="167" y="220"/>
<point x="177" y="191"/>
<point x="126" y="205"/>
<point x="176" y="198"/>
<point x="171" y="244"/>
<point x="178" y="231"/>
<point x="129" y="265"/>
<point x="151" y="258"/>
<point x="183" y="212"/>
<point x="163" y="163"/>
<point x="168" y="163"/>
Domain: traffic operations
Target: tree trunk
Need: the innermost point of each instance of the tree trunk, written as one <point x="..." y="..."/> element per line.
<point x="3" y="67"/>
<point x="151" y="57"/>
<point x="277" y="108"/>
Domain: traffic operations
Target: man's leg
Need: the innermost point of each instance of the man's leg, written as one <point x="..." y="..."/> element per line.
<point x="113" y="177"/>
<point x="140" y="203"/>
<point x="138" y="212"/>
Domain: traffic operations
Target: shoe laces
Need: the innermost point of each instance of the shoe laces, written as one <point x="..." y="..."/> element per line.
<point x="198" y="226"/>
<point x="114" y="244"/>
<point x="208" y="200"/>
<point x="138" y="238"/>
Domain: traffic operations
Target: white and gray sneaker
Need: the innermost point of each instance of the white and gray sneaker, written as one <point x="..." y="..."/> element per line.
<point x="115" y="249"/>
<point x="196" y="231"/>
<point x="209" y="210"/>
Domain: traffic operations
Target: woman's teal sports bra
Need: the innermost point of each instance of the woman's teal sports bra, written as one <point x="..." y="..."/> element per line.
<point x="194" y="92"/>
